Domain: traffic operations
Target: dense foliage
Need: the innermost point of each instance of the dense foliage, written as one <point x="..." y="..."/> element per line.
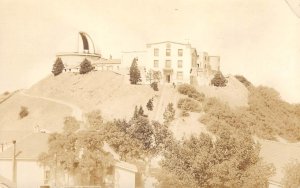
<point x="154" y="86"/>
<point x="86" y="67"/>
<point x="219" y="80"/>
<point x="58" y="67"/>
<point x="267" y="116"/>
<point x="149" y="104"/>
<point x="190" y="91"/>
<point x="134" y="72"/>
<point x="189" y="105"/>
<point x="228" y="162"/>
<point x="291" y="177"/>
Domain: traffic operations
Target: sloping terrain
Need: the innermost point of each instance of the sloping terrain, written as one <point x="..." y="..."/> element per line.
<point x="235" y="94"/>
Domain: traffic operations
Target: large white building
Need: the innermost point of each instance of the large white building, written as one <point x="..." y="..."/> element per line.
<point x="175" y="62"/>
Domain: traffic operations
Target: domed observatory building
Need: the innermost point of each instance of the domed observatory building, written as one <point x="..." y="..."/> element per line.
<point x="86" y="50"/>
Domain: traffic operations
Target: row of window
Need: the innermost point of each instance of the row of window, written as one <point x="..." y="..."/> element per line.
<point x="168" y="52"/>
<point x="168" y="64"/>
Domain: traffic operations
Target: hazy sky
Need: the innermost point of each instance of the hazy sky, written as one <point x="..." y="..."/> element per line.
<point x="259" y="39"/>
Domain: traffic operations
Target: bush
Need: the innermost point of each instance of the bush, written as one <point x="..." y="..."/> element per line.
<point x="86" y="67"/>
<point x="169" y="113"/>
<point x="6" y="93"/>
<point x="291" y="177"/>
<point x="190" y="91"/>
<point x="219" y="80"/>
<point x="189" y="105"/>
<point x="154" y="86"/>
<point x="23" y="112"/>
<point x="58" y="67"/>
<point x="243" y="80"/>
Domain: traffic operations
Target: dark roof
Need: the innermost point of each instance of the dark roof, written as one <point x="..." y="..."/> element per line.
<point x="28" y="148"/>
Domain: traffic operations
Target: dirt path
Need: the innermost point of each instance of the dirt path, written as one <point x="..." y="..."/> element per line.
<point x="76" y="111"/>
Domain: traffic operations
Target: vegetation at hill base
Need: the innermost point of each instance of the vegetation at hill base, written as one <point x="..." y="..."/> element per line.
<point x="86" y="67"/>
<point x="134" y="72"/>
<point x="219" y="80"/>
<point x="231" y="161"/>
<point x="23" y="112"/>
<point x="291" y="177"/>
<point x="267" y="116"/>
<point x="58" y="67"/>
<point x="190" y="91"/>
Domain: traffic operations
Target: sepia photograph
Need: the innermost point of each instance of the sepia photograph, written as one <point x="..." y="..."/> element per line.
<point x="150" y="94"/>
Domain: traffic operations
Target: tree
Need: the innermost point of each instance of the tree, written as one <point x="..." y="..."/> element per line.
<point x="135" y="113"/>
<point x="150" y="104"/>
<point x="78" y="153"/>
<point x="156" y="76"/>
<point x="169" y="113"/>
<point x="219" y="80"/>
<point x="58" y="67"/>
<point x="230" y="161"/>
<point x="134" y="72"/>
<point x="141" y="111"/>
<point x="86" y="67"/>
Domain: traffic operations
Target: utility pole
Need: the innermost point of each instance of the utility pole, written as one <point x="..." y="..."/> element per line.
<point x="14" y="175"/>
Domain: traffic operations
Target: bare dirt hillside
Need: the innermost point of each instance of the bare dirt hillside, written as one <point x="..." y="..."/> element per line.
<point x="235" y="94"/>
<point x="105" y="91"/>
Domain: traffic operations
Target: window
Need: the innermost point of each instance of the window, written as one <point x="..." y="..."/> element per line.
<point x="179" y="63"/>
<point x="180" y="52"/>
<point x="168" y="52"/>
<point x="179" y="75"/>
<point x="155" y="63"/>
<point x="156" y="52"/>
<point x="168" y="64"/>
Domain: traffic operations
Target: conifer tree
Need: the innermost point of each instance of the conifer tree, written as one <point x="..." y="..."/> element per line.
<point x="150" y="104"/>
<point x="135" y="113"/>
<point x="134" y="72"/>
<point x="58" y="67"/>
<point x="141" y="111"/>
<point x="85" y="67"/>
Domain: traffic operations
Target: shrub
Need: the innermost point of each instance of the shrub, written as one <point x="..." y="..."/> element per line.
<point x="189" y="105"/>
<point x="134" y="72"/>
<point x="291" y="177"/>
<point x="169" y="113"/>
<point x="154" y="86"/>
<point x="219" y="80"/>
<point x="190" y="91"/>
<point x="243" y="80"/>
<point x="23" y="112"/>
<point x="86" y="67"/>
<point x="150" y="104"/>
<point x="6" y="93"/>
<point x="58" y="67"/>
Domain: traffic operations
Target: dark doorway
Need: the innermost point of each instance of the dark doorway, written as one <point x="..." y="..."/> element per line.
<point x="168" y="78"/>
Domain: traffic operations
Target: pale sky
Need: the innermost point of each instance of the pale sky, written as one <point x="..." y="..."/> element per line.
<point x="259" y="39"/>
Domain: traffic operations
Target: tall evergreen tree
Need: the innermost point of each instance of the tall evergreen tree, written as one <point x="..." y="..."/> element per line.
<point x="58" y="66"/>
<point x="135" y="113"/>
<point x="134" y="72"/>
<point x="85" y="67"/>
<point x="150" y="104"/>
<point x="141" y="111"/>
